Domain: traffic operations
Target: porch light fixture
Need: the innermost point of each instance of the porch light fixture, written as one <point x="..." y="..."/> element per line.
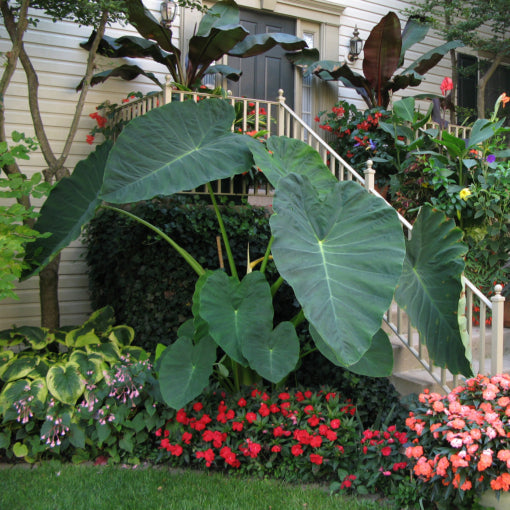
<point x="168" y="11"/>
<point x="355" y="46"/>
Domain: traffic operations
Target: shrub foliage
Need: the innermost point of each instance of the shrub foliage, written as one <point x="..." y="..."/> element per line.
<point x="144" y="280"/>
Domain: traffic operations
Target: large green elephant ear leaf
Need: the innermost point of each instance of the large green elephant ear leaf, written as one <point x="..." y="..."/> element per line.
<point x="342" y="254"/>
<point x="184" y="370"/>
<point x="273" y="354"/>
<point x="175" y="148"/>
<point x="430" y="288"/>
<point x="70" y="205"/>
<point x="283" y="156"/>
<point x="236" y="312"/>
<point x="376" y="362"/>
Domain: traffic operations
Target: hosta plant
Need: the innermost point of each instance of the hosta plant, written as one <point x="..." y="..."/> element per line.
<point x="76" y="392"/>
<point x="340" y="248"/>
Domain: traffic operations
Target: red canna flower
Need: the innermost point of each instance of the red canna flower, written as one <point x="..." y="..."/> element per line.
<point x="446" y="85"/>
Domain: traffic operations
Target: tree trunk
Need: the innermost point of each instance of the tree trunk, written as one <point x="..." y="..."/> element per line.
<point x="48" y="295"/>
<point x="455" y="80"/>
<point x="482" y="84"/>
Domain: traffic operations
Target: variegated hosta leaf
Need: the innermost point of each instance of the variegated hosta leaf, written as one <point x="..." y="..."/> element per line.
<point x="65" y="382"/>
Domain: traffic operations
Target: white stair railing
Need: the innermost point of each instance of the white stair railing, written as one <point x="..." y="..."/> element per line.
<point x="278" y="119"/>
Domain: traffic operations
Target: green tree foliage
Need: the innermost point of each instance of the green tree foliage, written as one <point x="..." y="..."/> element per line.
<point x="482" y="26"/>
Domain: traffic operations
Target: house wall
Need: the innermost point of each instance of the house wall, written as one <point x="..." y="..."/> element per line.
<point x="60" y="62"/>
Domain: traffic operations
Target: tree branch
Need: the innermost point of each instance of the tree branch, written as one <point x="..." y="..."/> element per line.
<point x="482" y="83"/>
<point x="84" y="90"/>
<point x="18" y="30"/>
<point x="33" y="86"/>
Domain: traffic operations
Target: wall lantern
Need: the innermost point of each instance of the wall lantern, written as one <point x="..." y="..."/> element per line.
<point x="355" y="46"/>
<point x="168" y="11"/>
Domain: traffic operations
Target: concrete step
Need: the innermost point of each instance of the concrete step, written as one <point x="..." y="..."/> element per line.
<point x="409" y="376"/>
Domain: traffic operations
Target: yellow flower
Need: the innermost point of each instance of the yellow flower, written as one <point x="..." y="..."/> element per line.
<point x="464" y="193"/>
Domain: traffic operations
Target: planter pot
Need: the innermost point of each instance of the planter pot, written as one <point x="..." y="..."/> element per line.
<point x="490" y="500"/>
<point x="506" y="316"/>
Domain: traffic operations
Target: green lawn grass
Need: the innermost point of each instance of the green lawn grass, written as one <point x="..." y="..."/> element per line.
<point x="52" y="486"/>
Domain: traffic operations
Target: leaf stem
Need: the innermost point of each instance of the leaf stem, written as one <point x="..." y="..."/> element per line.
<point x="266" y="255"/>
<point x="194" y="264"/>
<point x="230" y="257"/>
<point x="276" y="285"/>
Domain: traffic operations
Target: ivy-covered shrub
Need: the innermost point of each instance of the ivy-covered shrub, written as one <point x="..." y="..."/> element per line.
<point x="147" y="282"/>
<point x="93" y="396"/>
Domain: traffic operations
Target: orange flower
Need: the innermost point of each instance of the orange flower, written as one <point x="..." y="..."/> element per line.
<point x="502" y="482"/>
<point x="457" y="461"/>
<point x="423" y="468"/>
<point x="466" y="486"/>
<point x="504" y="99"/>
<point x="442" y="466"/>
<point x="414" y="451"/>
<point x="484" y="462"/>
<point x="504" y="455"/>
<point x="438" y="406"/>
<point x="476" y="434"/>
<point x="457" y="423"/>
<point x="503" y="401"/>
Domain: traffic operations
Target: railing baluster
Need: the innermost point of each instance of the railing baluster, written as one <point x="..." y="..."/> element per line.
<point x="482" y="340"/>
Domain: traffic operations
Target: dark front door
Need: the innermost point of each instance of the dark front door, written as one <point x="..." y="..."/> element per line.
<point x="265" y="74"/>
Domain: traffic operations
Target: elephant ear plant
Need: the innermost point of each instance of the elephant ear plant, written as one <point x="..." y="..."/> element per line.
<point x="340" y="248"/>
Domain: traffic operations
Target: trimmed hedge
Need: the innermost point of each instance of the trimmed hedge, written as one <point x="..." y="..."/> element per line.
<point x="147" y="283"/>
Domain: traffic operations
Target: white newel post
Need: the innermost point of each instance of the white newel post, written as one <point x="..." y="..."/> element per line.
<point x="281" y="113"/>
<point x="498" y="304"/>
<point x="369" y="176"/>
<point x="167" y="91"/>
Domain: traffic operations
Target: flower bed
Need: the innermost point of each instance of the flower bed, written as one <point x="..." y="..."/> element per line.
<point x="461" y="445"/>
<point x="297" y="436"/>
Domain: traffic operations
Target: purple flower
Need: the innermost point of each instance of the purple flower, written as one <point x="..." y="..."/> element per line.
<point x="373" y="145"/>
<point x="491" y="158"/>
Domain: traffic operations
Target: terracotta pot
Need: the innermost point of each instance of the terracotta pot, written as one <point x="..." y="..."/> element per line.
<point x="506" y="316"/>
<point x="490" y="500"/>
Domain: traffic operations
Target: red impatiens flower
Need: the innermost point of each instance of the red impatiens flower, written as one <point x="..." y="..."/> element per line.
<point x="276" y="448"/>
<point x="237" y="426"/>
<point x="296" y="450"/>
<point x="386" y="451"/>
<point x="315" y="441"/>
<point x="264" y="410"/>
<point x="182" y="417"/>
<point x="313" y="421"/>
<point x="251" y="417"/>
<point x="316" y="459"/>
<point x="335" y="424"/>
<point x="197" y="407"/>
